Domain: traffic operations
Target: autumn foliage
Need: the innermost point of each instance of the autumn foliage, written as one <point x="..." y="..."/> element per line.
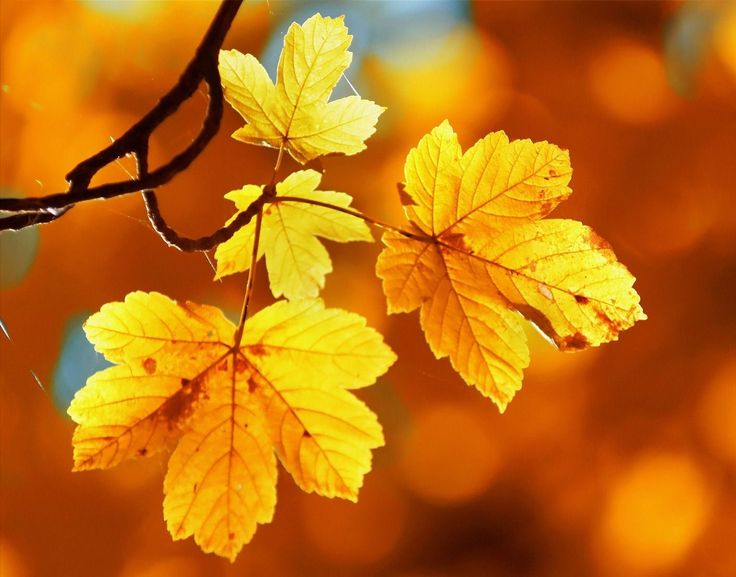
<point x="475" y="252"/>
<point x="295" y="112"/>
<point x="480" y="251"/>
<point x="229" y="406"/>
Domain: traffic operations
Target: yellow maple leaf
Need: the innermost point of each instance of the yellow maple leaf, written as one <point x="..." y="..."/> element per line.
<point x="295" y="112"/>
<point x="479" y="252"/>
<point x="180" y="378"/>
<point x="296" y="260"/>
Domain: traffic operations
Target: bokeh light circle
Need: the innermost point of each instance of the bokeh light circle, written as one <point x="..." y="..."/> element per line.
<point x="448" y="455"/>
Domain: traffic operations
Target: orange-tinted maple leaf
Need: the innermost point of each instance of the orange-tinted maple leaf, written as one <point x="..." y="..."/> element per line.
<point x="180" y="378"/>
<point x="480" y="251"/>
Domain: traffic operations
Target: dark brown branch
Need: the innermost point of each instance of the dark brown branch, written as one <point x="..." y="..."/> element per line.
<point x="202" y="67"/>
<point x="175" y="240"/>
<point x="26" y="219"/>
<point x="172" y="238"/>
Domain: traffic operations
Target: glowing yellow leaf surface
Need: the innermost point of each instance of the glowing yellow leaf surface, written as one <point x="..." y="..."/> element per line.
<point x="296" y="111"/>
<point x="304" y="359"/>
<point x="136" y="407"/>
<point x="479" y="252"/>
<point x="297" y="261"/>
<point x="221" y="479"/>
<point x="180" y="379"/>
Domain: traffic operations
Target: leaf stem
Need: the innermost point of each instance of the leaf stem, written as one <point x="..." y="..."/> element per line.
<point x="269" y="191"/>
<point x="375" y="222"/>
<point x="249" y="283"/>
<point x="276" y="167"/>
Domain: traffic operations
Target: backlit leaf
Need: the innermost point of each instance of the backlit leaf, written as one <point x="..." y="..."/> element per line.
<point x="479" y="252"/>
<point x="305" y="357"/>
<point x="221" y="479"/>
<point x="297" y="261"/>
<point x="135" y="408"/>
<point x="180" y="379"/>
<point x="296" y="112"/>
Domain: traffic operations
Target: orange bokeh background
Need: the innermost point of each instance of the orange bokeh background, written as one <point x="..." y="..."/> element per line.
<point x="614" y="461"/>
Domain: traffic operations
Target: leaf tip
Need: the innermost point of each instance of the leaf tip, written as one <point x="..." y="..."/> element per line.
<point x="445" y="127"/>
<point x="353" y="498"/>
<point x="224" y="53"/>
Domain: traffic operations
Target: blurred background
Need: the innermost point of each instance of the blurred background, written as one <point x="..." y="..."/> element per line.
<point x="614" y="461"/>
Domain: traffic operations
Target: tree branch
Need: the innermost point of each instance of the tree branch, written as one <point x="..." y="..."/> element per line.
<point x="173" y="239"/>
<point x="202" y="67"/>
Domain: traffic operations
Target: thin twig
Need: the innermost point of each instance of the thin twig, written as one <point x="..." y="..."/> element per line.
<point x="250" y="282"/>
<point x="175" y="240"/>
<point x="26" y="219"/>
<point x="172" y="238"/>
<point x="202" y="67"/>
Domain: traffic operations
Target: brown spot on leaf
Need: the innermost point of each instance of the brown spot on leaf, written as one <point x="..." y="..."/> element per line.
<point x="307" y="435"/>
<point x="580" y="299"/>
<point x="599" y="242"/>
<point x="258" y="350"/>
<point x="615" y="326"/>
<point x="196" y="486"/>
<point x="231" y="536"/>
<point x="552" y="172"/>
<point x="149" y="365"/>
<point x="222" y="366"/>
<point x="252" y="386"/>
<point x="179" y="406"/>
<point x="404" y="197"/>
<point x="240" y="365"/>
<point x="574" y="342"/>
<point x="603" y="317"/>
<point x="456" y="240"/>
<point x="142" y="452"/>
<point x="547" y="207"/>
